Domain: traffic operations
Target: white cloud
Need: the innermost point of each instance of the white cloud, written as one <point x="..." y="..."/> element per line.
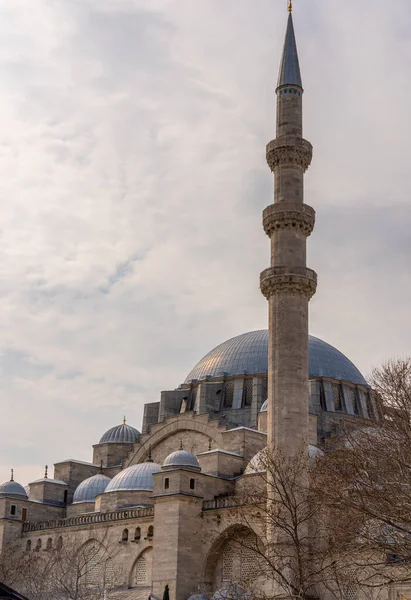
<point x="132" y="180"/>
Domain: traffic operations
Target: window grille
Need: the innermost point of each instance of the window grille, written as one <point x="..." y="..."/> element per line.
<point x="228" y="394"/>
<point x="109" y="574"/>
<point x="228" y="563"/>
<point x="248" y="392"/>
<point x="92" y="566"/>
<point x="248" y="564"/>
<point x="354" y="401"/>
<point x="141" y="570"/>
<point x="338" y="397"/>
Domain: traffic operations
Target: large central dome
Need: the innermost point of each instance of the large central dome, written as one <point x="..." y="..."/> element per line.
<point x="248" y="354"/>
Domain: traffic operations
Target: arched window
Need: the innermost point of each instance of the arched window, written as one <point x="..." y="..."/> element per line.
<point x="248" y="392"/>
<point x="228" y="394"/>
<point x="141" y="570"/>
<point x="338" y="397"/>
<point x="38" y="545"/>
<point x="49" y="544"/>
<point x="150" y="532"/>
<point x="192" y="484"/>
<point x="137" y="534"/>
<point x="124" y="537"/>
<point x="59" y="543"/>
<point x="28" y="545"/>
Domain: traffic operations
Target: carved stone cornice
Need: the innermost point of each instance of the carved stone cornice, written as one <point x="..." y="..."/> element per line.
<point x="299" y="281"/>
<point x="285" y="215"/>
<point x="289" y="150"/>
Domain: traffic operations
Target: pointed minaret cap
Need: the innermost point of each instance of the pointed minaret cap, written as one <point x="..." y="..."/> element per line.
<point x="290" y="67"/>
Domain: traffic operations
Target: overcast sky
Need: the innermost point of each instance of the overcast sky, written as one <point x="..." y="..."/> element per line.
<point x="132" y="181"/>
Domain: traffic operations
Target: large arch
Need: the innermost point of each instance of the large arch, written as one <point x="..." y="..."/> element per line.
<point x="231" y="559"/>
<point x="178" y="426"/>
<point x="141" y="572"/>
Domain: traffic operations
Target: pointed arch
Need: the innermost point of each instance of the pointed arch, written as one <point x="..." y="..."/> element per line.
<point x="141" y="571"/>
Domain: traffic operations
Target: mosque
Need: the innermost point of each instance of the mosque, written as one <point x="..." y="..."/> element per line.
<point x="152" y="493"/>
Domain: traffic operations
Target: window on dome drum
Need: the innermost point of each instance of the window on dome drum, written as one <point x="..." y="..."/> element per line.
<point x="13" y="510"/>
<point x="28" y="545"/>
<point x="354" y="401"/>
<point x="247" y="392"/>
<point x="193" y="400"/>
<point x="65" y="496"/>
<point x="150" y="532"/>
<point x="49" y="545"/>
<point x="38" y="545"/>
<point x="166" y="483"/>
<point x="338" y="397"/>
<point x="137" y="534"/>
<point x="370" y="407"/>
<point x="124" y="537"/>
<point x="24" y="514"/>
<point x="323" y="402"/>
<point x="183" y="405"/>
<point x="228" y="394"/>
<point x="192" y="484"/>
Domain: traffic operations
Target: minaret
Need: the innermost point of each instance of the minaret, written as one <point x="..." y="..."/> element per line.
<point x="288" y="285"/>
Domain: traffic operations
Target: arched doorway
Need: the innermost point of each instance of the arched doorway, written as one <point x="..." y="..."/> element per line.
<point x="141" y="572"/>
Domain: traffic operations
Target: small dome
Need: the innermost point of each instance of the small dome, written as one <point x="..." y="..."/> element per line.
<point x="12" y="488"/>
<point x="264" y="407"/>
<point x="181" y="458"/>
<point x="90" y="488"/>
<point x="138" y="478"/>
<point x="121" y="434"/>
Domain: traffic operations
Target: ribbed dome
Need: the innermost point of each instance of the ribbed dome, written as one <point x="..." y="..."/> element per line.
<point x="12" y="488"/>
<point x="248" y="353"/>
<point x="181" y="458"/>
<point x="135" y="478"/>
<point x="121" y="434"/>
<point x="90" y="488"/>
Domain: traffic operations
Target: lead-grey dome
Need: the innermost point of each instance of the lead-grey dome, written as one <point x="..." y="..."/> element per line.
<point x="90" y="488"/>
<point x="138" y="478"/>
<point x="121" y="434"/>
<point x="12" y="488"/>
<point x="181" y="458"/>
<point x="248" y="354"/>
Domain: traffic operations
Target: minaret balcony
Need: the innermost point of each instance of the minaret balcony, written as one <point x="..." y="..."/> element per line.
<point x="289" y="151"/>
<point x="298" y="281"/>
<point x="299" y="217"/>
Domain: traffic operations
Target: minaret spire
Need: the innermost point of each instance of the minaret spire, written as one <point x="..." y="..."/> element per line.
<point x="288" y="285"/>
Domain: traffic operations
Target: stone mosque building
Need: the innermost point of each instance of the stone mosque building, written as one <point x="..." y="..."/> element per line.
<point x="153" y="492"/>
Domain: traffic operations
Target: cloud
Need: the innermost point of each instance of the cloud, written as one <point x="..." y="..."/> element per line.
<point x="132" y="180"/>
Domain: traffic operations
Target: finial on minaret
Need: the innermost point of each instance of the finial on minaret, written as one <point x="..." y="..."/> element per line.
<point x="149" y="459"/>
<point x="290" y="6"/>
<point x="12" y="475"/>
<point x="46" y="470"/>
<point x="124" y="420"/>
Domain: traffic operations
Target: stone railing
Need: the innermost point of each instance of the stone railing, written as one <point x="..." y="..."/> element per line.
<point x="227" y="502"/>
<point x="115" y="515"/>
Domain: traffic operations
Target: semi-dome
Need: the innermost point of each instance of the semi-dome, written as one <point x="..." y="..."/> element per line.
<point x="258" y="464"/>
<point x="181" y="458"/>
<point x="12" y="488"/>
<point x="248" y="354"/>
<point x="138" y="478"/>
<point x="90" y="488"/>
<point x="121" y="434"/>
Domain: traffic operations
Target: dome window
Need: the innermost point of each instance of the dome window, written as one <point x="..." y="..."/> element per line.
<point x="338" y="397"/>
<point x="354" y="401"/>
<point x="229" y="394"/>
<point x="166" y="483"/>
<point x="13" y="510"/>
<point x="248" y="392"/>
<point x="370" y="407"/>
<point x="192" y="484"/>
